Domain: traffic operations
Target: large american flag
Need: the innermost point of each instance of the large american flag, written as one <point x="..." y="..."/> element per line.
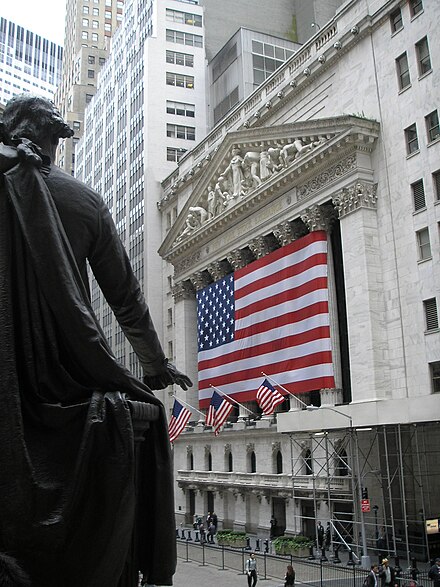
<point x="179" y="419"/>
<point x="218" y="411"/>
<point x="270" y="316"/>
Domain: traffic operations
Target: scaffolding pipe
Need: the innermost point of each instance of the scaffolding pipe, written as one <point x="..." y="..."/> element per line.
<point x="402" y="484"/>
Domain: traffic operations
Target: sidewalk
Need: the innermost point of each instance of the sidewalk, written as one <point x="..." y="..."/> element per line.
<point x="194" y="575"/>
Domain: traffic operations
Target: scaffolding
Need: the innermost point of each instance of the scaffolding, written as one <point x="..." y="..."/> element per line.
<point x="379" y="485"/>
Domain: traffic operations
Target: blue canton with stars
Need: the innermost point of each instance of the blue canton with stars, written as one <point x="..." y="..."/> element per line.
<point x="215" y="314"/>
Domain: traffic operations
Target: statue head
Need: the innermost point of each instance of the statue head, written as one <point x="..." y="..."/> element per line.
<point x="35" y="118"/>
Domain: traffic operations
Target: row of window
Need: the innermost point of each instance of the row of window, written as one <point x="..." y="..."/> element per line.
<point x="184" y="17"/>
<point x="178" y="131"/>
<point x="180" y="58"/>
<point x="432" y="132"/>
<point x="180" y="80"/>
<point x="396" y="18"/>
<point x="418" y="191"/>
<point x="181" y="38"/>
<point x="423" y="64"/>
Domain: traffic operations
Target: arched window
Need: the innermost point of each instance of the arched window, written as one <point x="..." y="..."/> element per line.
<point x="209" y="462"/>
<point x="230" y="463"/>
<point x="190" y="461"/>
<point x="279" y="462"/>
<point x="341" y="463"/>
<point x="308" y="462"/>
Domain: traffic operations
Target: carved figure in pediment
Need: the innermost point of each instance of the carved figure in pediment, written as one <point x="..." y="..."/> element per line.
<point x="274" y="159"/>
<point x="250" y="166"/>
<point x="235" y="172"/>
<point x="293" y="150"/>
<point x="265" y="170"/>
<point x="212" y="202"/>
<point x="196" y="217"/>
<point x="221" y="195"/>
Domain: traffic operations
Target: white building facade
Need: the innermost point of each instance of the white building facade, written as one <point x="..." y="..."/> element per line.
<point x="28" y="62"/>
<point x="362" y="98"/>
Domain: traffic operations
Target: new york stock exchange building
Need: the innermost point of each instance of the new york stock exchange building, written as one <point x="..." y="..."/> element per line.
<point x="330" y="170"/>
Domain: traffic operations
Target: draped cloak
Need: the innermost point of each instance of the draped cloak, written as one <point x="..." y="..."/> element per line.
<point x="67" y="466"/>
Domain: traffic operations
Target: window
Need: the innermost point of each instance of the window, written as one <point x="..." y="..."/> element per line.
<point x="412" y="142"/>
<point x="181" y="132"/>
<point x="108" y="14"/>
<point x="174" y="154"/>
<point x="89" y="98"/>
<point x="415" y="6"/>
<point x="435" y="376"/>
<point x="108" y="27"/>
<point x="180" y="58"/>
<point x="85" y="22"/>
<point x="76" y="125"/>
<point x="180" y="80"/>
<point x="85" y="10"/>
<point x="91" y="59"/>
<point x="403" y="71"/>
<point x="266" y="59"/>
<point x="96" y="12"/>
<point x="396" y="20"/>
<point x="230" y="462"/>
<point x="436" y="182"/>
<point x="252" y="462"/>
<point x="432" y="126"/>
<point x="423" y="244"/>
<point x="278" y="463"/>
<point x="95" y="37"/>
<point x="170" y="316"/>
<point x="423" y="57"/>
<point x="341" y="463"/>
<point x="418" y="194"/>
<point x="90" y="74"/>
<point x="181" y="109"/>
<point x="184" y="17"/>
<point x="182" y="38"/>
<point x="84" y="35"/>
<point x="431" y="316"/>
<point x="95" y="24"/>
<point x="101" y="60"/>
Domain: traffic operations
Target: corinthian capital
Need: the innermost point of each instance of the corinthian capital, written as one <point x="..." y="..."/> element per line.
<point x="359" y="195"/>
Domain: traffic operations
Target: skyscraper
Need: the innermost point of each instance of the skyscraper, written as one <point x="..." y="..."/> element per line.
<point x="90" y="25"/>
<point x="28" y="62"/>
<point x="150" y="107"/>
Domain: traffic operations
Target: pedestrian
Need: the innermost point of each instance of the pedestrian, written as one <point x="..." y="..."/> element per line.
<point x="215" y="521"/>
<point x="371" y="580"/>
<point x="211" y="532"/>
<point x="320" y="534"/>
<point x="434" y="573"/>
<point x="289" y="579"/>
<point x="202" y="531"/>
<point x="328" y="537"/>
<point x="387" y="574"/>
<point x="251" y="570"/>
<point x="273" y="526"/>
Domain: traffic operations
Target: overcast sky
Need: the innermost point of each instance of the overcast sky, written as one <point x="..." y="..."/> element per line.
<point x="44" y="17"/>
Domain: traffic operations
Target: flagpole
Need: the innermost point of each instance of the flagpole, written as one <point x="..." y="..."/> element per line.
<point x="189" y="405"/>
<point x="233" y="400"/>
<point x="284" y="389"/>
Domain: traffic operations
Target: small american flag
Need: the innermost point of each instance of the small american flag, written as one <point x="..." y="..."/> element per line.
<point x="270" y="316"/>
<point x="218" y="411"/>
<point x="179" y="419"/>
<point x="268" y="397"/>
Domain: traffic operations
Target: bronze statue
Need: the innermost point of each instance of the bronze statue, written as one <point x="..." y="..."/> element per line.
<point x="67" y="463"/>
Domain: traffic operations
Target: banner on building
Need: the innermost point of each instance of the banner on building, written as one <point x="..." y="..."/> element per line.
<point x="270" y="316"/>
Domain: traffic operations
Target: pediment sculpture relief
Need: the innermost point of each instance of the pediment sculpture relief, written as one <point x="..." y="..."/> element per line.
<point x="241" y="174"/>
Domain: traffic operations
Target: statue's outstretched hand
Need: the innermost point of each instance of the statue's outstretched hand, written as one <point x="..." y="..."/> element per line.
<point x="167" y="377"/>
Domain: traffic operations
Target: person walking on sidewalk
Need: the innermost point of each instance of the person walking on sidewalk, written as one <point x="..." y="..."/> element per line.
<point x="289" y="579"/>
<point x="251" y="570"/>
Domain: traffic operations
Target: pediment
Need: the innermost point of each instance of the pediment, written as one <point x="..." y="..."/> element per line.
<point x="253" y="165"/>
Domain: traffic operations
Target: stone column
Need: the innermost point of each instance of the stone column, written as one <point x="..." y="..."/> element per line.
<point x="185" y="335"/>
<point x="322" y="218"/>
<point x="363" y="274"/>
